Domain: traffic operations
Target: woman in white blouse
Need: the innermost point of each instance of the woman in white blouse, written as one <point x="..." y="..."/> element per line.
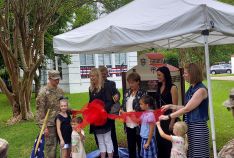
<point x="130" y="104"/>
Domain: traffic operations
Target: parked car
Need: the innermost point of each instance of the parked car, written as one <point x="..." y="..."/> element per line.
<point x="221" y="68"/>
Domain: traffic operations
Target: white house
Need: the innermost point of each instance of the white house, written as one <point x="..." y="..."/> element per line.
<point x="74" y="77"/>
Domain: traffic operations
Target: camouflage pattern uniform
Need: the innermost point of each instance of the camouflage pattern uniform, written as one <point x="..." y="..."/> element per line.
<point x="48" y="98"/>
<point x="3" y="148"/>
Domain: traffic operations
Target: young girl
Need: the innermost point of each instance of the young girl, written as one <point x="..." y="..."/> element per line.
<point x="148" y="141"/>
<point x="179" y="141"/>
<point x="78" y="150"/>
<point x="64" y="129"/>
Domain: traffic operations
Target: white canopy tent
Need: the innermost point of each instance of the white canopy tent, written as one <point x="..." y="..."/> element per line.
<point x="144" y="24"/>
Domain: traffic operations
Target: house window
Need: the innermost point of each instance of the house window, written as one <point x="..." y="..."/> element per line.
<point x="86" y="64"/>
<point x="86" y="59"/>
<point x="120" y="59"/>
<point x="60" y="68"/>
<point x="104" y="59"/>
<point x="120" y="63"/>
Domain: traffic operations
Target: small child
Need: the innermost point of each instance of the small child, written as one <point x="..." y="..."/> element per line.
<point x="179" y="140"/>
<point x="148" y="141"/>
<point x="64" y="130"/>
<point x="78" y="136"/>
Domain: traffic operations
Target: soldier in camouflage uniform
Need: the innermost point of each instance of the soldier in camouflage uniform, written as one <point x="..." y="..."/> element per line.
<point x="3" y="148"/>
<point x="48" y="98"/>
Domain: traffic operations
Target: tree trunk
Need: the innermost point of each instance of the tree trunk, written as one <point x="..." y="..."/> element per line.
<point x="20" y="101"/>
<point x="26" y="98"/>
<point x="37" y="81"/>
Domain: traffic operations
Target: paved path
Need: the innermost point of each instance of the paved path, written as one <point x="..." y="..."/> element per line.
<point x="227" y="78"/>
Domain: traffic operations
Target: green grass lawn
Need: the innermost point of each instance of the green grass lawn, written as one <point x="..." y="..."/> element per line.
<point x="22" y="135"/>
<point x="224" y="122"/>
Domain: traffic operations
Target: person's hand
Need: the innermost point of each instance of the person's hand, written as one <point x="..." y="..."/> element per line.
<point x="158" y="123"/>
<point x="78" y="130"/>
<point x="82" y="137"/>
<point x="121" y="112"/>
<point x="146" y="146"/>
<point x="62" y="143"/>
<point x="46" y="132"/>
<point x="166" y="107"/>
<point x="116" y="98"/>
<point x="163" y="117"/>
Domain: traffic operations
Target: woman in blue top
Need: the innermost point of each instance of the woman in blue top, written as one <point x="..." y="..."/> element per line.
<point x="195" y="112"/>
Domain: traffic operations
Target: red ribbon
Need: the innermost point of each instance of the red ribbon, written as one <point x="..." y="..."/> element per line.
<point x="94" y="113"/>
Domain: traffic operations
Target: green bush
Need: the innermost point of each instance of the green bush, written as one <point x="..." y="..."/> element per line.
<point x="171" y="58"/>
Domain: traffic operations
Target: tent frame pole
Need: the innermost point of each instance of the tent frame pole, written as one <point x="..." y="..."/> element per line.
<point x="205" y="34"/>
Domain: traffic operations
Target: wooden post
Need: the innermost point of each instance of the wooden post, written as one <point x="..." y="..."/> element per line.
<point x="124" y="87"/>
<point x="182" y="83"/>
<point x="42" y="130"/>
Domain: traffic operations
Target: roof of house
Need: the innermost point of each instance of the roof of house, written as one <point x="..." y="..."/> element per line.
<point x="155" y="55"/>
<point x="170" y="67"/>
<point x="160" y="56"/>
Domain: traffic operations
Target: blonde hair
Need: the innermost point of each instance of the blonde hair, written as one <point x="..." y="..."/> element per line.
<point x="195" y="73"/>
<point x="64" y="100"/>
<point x="93" y="86"/>
<point x="182" y="129"/>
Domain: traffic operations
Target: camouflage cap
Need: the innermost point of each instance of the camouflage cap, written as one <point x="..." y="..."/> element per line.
<point x="54" y="74"/>
<point x="230" y="102"/>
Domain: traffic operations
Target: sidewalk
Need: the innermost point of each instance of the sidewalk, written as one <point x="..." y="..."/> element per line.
<point x="226" y="78"/>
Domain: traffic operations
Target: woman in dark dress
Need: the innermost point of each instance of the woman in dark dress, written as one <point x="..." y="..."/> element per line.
<point x="167" y="94"/>
<point x="102" y="133"/>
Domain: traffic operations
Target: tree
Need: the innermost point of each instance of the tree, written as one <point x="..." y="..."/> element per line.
<point x="59" y="27"/>
<point x="172" y="58"/>
<point x="23" y="24"/>
<point x="221" y="53"/>
<point x="111" y="5"/>
<point x="84" y="15"/>
<point x="227" y="1"/>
